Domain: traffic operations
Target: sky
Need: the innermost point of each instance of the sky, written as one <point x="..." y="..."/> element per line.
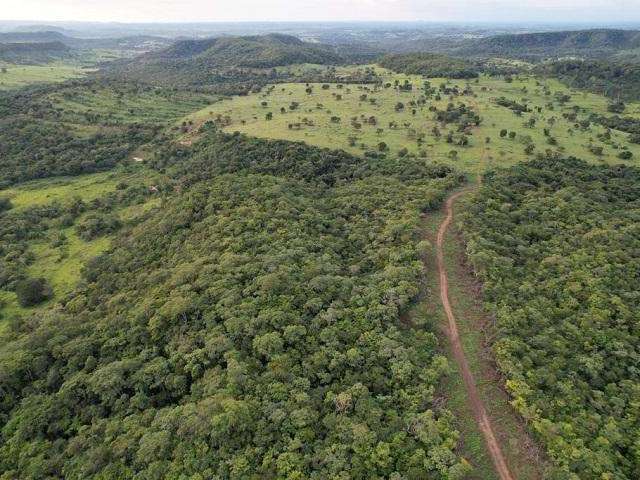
<point x="576" y="11"/>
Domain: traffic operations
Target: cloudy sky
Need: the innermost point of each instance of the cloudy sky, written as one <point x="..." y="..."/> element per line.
<point x="322" y="10"/>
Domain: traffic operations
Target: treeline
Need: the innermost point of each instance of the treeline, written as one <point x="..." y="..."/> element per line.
<point x="556" y="242"/>
<point x="431" y="65"/>
<point x="250" y="328"/>
<point x="30" y="150"/>
<point x="616" y="80"/>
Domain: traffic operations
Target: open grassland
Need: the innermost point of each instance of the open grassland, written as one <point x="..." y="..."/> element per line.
<point x="17" y="76"/>
<point x="358" y="118"/>
<point x="86" y="187"/>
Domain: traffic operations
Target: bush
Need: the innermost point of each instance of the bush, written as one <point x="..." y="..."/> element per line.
<point x="95" y="225"/>
<point x="33" y="291"/>
<point x="5" y="204"/>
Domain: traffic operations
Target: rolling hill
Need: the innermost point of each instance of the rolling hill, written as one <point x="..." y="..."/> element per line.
<point x="30" y="53"/>
<point x="141" y="43"/>
<point x="197" y="62"/>
<point x="534" y="46"/>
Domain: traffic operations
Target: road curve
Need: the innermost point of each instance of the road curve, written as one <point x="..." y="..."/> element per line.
<point x="477" y="406"/>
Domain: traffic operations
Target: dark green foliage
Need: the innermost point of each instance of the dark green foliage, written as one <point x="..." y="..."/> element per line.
<point x="616" y="107"/>
<point x="31" y="150"/>
<point x="557" y="245"/>
<point x="5" y="204"/>
<point x="461" y="114"/>
<point x="30" y="53"/>
<point x="611" y="78"/>
<point x="430" y="65"/>
<point x="624" y="124"/>
<point x="33" y="291"/>
<point x="96" y="225"/>
<point x="512" y="105"/>
<point x="248" y="329"/>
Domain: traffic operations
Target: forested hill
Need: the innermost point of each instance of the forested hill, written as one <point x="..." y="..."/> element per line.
<point x="198" y="61"/>
<point x="134" y="42"/>
<point x="33" y="37"/>
<point x="26" y="53"/>
<point x="249" y="328"/>
<point x="532" y="46"/>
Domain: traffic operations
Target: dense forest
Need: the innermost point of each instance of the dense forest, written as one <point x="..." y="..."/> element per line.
<point x="429" y="65"/>
<point x="30" y="150"/>
<point x="250" y="328"/>
<point x="556" y="244"/>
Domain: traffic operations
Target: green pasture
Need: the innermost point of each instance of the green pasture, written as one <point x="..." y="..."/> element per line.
<point x="311" y="121"/>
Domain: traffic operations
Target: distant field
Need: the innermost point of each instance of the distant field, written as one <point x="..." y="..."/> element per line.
<point x="312" y="121"/>
<point x="21" y="75"/>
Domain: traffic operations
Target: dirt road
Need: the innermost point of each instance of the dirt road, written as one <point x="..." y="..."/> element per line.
<point x="478" y="407"/>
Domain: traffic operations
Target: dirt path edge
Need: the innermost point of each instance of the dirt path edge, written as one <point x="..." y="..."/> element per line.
<point x="479" y="410"/>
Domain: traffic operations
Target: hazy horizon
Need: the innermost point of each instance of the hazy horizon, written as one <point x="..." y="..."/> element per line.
<point x="217" y="11"/>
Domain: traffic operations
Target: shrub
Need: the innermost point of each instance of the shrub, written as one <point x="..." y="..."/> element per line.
<point x="95" y="225"/>
<point x="33" y="291"/>
<point x="5" y="204"/>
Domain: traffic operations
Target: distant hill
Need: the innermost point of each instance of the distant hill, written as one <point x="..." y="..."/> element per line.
<point x="35" y="37"/>
<point x="28" y="53"/>
<point x="201" y="61"/>
<point x="263" y="51"/>
<point x="533" y="46"/>
<point x="136" y="42"/>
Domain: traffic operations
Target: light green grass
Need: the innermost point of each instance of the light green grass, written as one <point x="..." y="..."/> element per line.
<point x="22" y="75"/>
<point x="86" y="187"/>
<point x="247" y="115"/>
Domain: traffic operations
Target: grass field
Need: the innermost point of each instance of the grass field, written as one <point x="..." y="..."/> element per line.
<point x="311" y="121"/>
<point x="60" y="262"/>
<point x="17" y="76"/>
<point x="126" y="104"/>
